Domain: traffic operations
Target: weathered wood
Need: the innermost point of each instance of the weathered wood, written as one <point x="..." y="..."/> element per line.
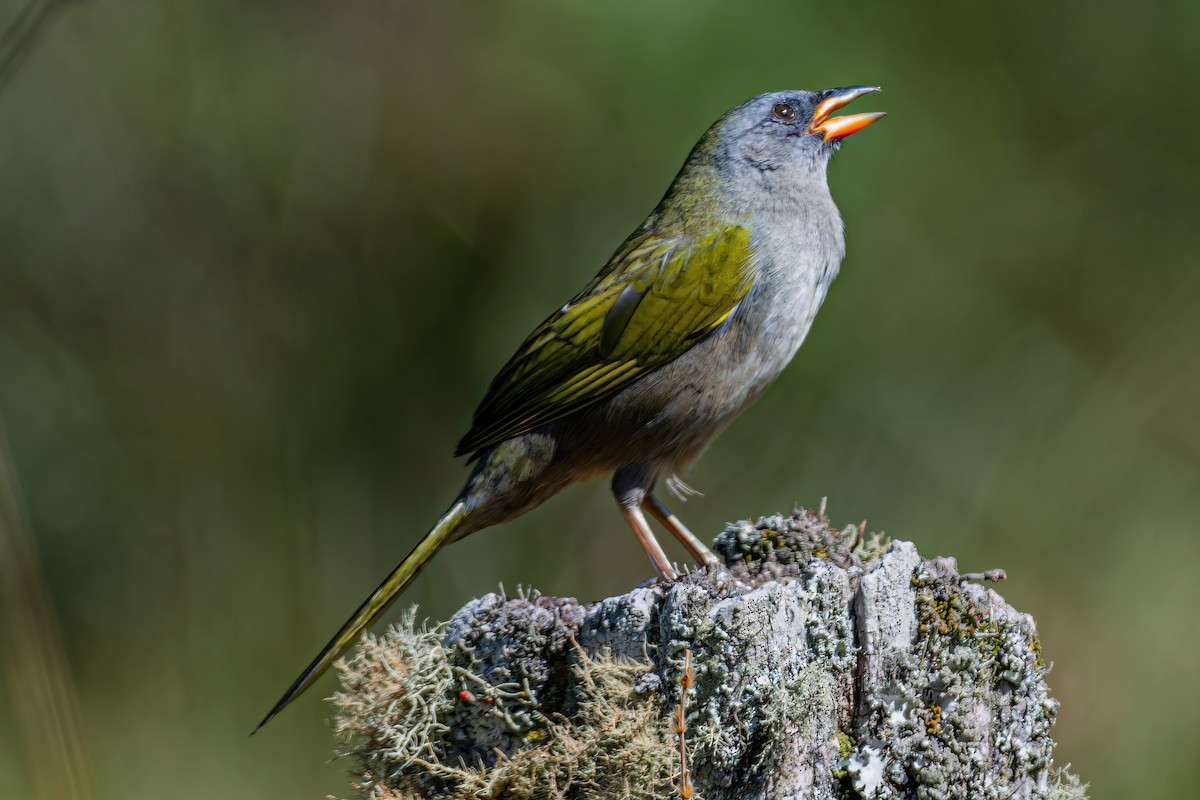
<point x="821" y="670"/>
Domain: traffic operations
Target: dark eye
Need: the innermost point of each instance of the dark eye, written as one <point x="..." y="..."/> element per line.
<point x="784" y="111"/>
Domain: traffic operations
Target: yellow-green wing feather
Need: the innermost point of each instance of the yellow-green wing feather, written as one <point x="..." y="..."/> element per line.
<point x="656" y="299"/>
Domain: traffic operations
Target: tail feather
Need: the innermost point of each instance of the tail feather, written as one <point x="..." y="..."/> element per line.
<point x="374" y="605"/>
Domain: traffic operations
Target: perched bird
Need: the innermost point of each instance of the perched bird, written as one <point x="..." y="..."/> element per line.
<point x="692" y="318"/>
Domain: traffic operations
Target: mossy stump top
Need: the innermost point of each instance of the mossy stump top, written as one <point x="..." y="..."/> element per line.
<point x="813" y="666"/>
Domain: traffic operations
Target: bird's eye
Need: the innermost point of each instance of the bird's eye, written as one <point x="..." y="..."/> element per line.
<point x="784" y="111"/>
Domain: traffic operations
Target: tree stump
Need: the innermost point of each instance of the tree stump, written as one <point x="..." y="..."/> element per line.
<point x="814" y="666"/>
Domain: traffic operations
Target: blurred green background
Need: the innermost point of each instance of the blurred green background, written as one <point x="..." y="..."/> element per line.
<point x="258" y="262"/>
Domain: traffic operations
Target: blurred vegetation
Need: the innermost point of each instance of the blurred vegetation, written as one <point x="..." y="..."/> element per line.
<point x="258" y="262"/>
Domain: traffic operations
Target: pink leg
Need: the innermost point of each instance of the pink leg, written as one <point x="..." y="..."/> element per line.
<point x="697" y="548"/>
<point x="633" y="515"/>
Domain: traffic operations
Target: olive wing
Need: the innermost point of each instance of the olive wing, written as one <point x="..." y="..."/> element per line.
<point x="656" y="299"/>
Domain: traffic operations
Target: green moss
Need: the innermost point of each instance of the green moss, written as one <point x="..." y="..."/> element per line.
<point x="778" y="545"/>
<point x="845" y="743"/>
<point x="944" y="611"/>
<point x="1035" y="646"/>
<point x="843" y="781"/>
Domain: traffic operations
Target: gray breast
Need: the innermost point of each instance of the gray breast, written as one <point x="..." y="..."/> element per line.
<point x="671" y="415"/>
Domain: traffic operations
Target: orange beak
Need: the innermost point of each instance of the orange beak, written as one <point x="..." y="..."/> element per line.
<point x="837" y="128"/>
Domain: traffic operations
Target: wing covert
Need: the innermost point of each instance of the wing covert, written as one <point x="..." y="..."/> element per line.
<point x="657" y="298"/>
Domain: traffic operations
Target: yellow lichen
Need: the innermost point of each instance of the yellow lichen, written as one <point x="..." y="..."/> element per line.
<point x="933" y="721"/>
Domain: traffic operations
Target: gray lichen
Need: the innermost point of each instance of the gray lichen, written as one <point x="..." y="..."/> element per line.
<point x="825" y="667"/>
<point x="961" y="708"/>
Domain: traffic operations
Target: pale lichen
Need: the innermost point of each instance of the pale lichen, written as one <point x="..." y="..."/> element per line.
<point x="397" y="693"/>
<point x="400" y="724"/>
<point x="1067" y="786"/>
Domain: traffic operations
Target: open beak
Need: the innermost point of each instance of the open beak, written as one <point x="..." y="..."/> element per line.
<point x="837" y="128"/>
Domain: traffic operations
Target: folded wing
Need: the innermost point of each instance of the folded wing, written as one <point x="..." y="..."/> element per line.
<point x="656" y="299"/>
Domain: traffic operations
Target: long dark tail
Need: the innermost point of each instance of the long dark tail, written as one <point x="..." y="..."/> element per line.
<point x="374" y="605"/>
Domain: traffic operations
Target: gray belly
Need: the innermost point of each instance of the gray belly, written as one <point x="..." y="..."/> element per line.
<point x="665" y="420"/>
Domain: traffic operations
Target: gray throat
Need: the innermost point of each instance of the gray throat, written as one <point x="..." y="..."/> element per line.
<point x="799" y="246"/>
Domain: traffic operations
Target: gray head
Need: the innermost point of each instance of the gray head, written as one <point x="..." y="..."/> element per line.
<point x="777" y="138"/>
<point x="780" y="129"/>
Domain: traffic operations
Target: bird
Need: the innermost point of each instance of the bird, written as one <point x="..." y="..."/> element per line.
<point x="694" y="316"/>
